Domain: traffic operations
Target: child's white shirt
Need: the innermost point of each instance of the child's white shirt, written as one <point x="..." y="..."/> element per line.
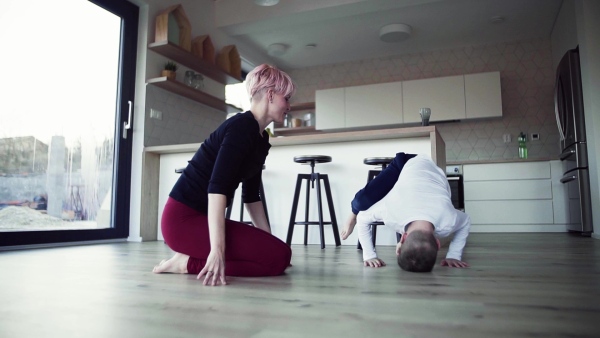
<point x="422" y="192"/>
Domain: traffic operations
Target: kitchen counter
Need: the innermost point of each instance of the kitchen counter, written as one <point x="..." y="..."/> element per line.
<point x="334" y="137"/>
<point x="501" y="160"/>
<point x="347" y="173"/>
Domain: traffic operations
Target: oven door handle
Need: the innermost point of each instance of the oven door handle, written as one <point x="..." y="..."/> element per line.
<point x="567" y="179"/>
<point x="453" y="178"/>
<point x="565" y="154"/>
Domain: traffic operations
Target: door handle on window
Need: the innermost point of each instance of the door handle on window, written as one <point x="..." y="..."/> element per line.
<point x="567" y="179"/>
<point x="127" y="124"/>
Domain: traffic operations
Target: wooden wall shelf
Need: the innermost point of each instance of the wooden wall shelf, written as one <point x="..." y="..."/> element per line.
<point x="302" y="106"/>
<point x="191" y="61"/>
<point x="295" y="131"/>
<point x="192" y="94"/>
<point x="294" y="109"/>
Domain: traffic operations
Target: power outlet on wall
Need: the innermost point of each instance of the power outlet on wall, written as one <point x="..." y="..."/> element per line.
<point x="535" y="136"/>
<point x="155" y="114"/>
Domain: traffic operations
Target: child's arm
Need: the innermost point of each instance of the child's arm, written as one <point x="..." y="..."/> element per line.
<point x="454" y="255"/>
<point x="363" y="229"/>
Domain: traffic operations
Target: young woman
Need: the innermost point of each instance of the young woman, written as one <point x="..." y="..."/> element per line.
<point x="193" y="221"/>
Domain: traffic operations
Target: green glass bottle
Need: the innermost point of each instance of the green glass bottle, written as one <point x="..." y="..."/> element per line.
<point x="522" y="145"/>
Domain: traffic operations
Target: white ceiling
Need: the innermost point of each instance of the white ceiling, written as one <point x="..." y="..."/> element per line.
<point x="347" y="30"/>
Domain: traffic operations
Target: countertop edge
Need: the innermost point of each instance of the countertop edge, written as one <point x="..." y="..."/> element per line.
<point x="351" y="136"/>
<point x="502" y="160"/>
<point x="342" y="136"/>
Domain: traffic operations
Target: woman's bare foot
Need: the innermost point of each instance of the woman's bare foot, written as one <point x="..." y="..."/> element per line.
<point x="177" y="264"/>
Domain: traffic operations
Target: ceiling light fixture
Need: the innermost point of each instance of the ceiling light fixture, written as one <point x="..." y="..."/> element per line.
<point x="276" y="49"/>
<point x="394" y="32"/>
<point x="266" y="2"/>
<point x="497" y="19"/>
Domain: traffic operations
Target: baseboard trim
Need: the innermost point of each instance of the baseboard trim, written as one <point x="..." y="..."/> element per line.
<point x="57" y="245"/>
<point x="518" y="228"/>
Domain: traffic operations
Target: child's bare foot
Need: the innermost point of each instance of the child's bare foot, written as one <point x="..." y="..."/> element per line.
<point x="349" y="226"/>
<point x="177" y="264"/>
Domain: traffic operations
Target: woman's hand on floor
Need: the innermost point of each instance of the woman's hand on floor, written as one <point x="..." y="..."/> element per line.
<point x="214" y="270"/>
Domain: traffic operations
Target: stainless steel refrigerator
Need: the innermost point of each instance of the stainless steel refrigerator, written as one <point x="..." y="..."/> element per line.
<point x="568" y="105"/>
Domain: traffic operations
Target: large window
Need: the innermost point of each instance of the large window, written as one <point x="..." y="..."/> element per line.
<point x="64" y="161"/>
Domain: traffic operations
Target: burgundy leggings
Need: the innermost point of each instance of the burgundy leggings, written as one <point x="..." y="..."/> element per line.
<point x="249" y="251"/>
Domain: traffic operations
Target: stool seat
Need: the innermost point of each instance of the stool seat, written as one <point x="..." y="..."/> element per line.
<point x="382" y="161"/>
<point x="312" y="159"/>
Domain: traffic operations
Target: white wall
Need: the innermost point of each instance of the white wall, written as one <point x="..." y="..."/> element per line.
<point x="564" y="32"/>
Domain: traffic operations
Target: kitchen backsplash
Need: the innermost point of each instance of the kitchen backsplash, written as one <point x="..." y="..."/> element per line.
<point x="183" y="120"/>
<point x="527" y="80"/>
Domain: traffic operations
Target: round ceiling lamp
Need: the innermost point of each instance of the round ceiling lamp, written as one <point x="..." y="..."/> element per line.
<point x="394" y="32"/>
<point x="276" y="49"/>
<point x="266" y="2"/>
<point x="497" y="19"/>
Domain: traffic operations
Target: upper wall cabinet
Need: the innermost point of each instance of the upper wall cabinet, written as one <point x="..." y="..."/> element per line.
<point x="373" y="105"/>
<point x="331" y="103"/>
<point x="482" y="95"/>
<point x="449" y="98"/>
<point x="445" y="96"/>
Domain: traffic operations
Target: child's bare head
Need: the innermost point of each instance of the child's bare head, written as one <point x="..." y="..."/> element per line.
<point x="419" y="252"/>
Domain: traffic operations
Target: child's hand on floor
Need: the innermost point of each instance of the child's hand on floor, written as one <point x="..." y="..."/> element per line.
<point x="374" y="263"/>
<point x="454" y="263"/>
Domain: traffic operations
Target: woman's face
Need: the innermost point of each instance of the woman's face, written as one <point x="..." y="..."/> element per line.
<point x="279" y="105"/>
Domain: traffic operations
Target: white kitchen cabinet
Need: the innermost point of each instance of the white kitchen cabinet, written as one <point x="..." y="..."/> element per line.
<point x="506" y="171"/>
<point x="167" y="179"/>
<point x="330" y="108"/>
<point x="513" y="197"/>
<point x="449" y="98"/>
<point x="445" y="96"/>
<point x="483" y="95"/>
<point x="373" y="105"/>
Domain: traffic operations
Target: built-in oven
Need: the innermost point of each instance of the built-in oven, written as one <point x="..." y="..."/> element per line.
<point x="455" y="181"/>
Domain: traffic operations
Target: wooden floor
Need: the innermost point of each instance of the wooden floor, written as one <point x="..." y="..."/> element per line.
<point x="519" y="285"/>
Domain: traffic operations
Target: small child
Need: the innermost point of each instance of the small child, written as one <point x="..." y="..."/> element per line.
<point x="412" y="196"/>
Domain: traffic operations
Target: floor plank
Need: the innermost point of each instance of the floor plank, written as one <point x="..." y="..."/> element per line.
<point x="519" y="285"/>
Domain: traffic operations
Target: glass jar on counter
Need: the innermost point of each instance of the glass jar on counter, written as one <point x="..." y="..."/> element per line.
<point x="309" y="119"/>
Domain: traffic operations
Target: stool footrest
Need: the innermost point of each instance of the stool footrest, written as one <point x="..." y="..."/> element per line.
<point x="312" y="223"/>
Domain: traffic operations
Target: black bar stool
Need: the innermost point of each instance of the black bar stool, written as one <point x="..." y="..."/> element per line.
<point x="261" y="192"/>
<point x="313" y="178"/>
<point x="383" y="162"/>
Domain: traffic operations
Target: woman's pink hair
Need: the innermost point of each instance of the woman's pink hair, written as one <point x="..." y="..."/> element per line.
<point x="269" y="77"/>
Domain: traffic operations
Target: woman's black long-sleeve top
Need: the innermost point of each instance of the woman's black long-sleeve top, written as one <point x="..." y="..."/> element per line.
<point x="235" y="152"/>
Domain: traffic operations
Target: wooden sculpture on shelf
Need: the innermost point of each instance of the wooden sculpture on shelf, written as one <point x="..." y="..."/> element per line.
<point x="230" y="61"/>
<point x="203" y="48"/>
<point x="173" y="25"/>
